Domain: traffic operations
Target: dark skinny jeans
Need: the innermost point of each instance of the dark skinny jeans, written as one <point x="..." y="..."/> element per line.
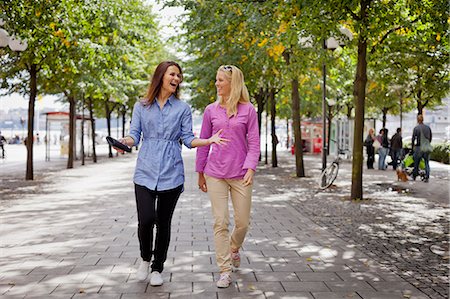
<point x="149" y="215"/>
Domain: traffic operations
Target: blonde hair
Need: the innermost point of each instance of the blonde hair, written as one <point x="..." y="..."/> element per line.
<point x="420" y="118"/>
<point x="238" y="93"/>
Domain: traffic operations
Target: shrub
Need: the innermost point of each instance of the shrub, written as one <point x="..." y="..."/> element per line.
<point x="441" y="153"/>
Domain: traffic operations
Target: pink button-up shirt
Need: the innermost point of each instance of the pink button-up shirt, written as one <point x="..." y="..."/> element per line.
<point x="241" y="152"/>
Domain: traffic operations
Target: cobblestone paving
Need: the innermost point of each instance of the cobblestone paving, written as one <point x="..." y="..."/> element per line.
<point x="406" y="233"/>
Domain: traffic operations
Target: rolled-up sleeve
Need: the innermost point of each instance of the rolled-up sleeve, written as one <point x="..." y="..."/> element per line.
<point x="186" y="128"/>
<point x="203" y="151"/>
<point x="251" y="161"/>
<point x="135" y="127"/>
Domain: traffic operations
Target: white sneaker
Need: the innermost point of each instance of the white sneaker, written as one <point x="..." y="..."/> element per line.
<point x="156" y="279"/>
<point x="224" y="280"/>
<point x="142" y="271"/>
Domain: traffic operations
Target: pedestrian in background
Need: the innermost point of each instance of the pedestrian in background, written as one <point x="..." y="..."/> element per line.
<point x="229" y="169"/>
<point x="384" y="148"/>
<point x="370" y="150"/>
<point x="396" y="148"/>
<point x="421" y="139"/>
<point x="2" y="144"/>
<point x="162" y="120"/>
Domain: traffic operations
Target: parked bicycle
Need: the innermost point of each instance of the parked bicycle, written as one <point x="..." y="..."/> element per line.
<point x="330" y="173"/>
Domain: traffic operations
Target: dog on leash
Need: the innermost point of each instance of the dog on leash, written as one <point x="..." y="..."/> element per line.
<point x="401" y="175"/>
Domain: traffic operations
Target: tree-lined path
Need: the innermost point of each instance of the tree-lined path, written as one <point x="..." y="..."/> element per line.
<point x="76" y="238"/>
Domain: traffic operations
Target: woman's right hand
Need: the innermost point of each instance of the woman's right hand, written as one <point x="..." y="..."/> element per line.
<point x="217" y="139"/>
<point x="121" y="140"/>
<point x="202" y="182"/>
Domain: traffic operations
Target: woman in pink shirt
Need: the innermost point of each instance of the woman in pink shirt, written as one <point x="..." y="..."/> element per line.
<point x="229" y="169"/>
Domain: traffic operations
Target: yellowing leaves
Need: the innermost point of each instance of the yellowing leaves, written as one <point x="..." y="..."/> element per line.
<point x="52" y="25"/>
<point x="438" y="37"/>
<point x="283" y="28"/>
<point x="38" y="13"/>
<point x="263" y="42"/>
<point x="303" y="80"/>
<point x="403" y="31"/>
<point x="372" y="85"/>
<point x="276" y="51"/>
<point x="296" y="10"/>
<point x="275" y="71"/>
<point x="59" y="33"/>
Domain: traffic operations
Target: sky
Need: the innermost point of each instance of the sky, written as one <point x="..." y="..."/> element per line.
<point x="167" y="20"/>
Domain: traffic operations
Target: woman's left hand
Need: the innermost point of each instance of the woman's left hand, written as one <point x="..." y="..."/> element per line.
<point x="217" y="139"/>
<point x="248" y="177"/>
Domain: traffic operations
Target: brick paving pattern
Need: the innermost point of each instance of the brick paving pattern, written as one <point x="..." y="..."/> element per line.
<point x="76" y="238"/>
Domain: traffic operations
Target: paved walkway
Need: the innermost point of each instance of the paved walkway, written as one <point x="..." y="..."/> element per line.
<point x="76" y="238"/>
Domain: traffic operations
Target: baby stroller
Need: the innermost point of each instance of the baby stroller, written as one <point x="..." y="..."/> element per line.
<point x="408" y="165"/>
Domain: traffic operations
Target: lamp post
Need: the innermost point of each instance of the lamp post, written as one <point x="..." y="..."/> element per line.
<point x="329" y="44"/>
<point x="330" y="104"/>
<point x="15" y="44"/>
<point x="399" y="88"/>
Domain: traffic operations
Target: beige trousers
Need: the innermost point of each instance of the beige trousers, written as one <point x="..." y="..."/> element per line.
<point x="241" y="198"/>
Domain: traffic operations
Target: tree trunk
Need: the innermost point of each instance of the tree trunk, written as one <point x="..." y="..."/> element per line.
<point x="266" y="132"/>
<point x="288" y="141"/>
<point x="349" y="110"/>
<point x="273" y="112"/>
<point x="82" y="132"/>
<point x="298" y="144"/>
<point x="259" y="97"/>
<point x="296" y="124"/>
<point x="91" y="116"/>
<point x="33" y="92"/>
<point x="419" y="107"/>
<point x="72" y="130"/>
<point x="384" y="111"/>
<point x="108" y="112"/>
<point x="360" y="95"/>
<point x="124" y="114"/>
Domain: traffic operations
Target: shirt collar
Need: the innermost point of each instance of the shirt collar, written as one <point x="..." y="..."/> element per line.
<point x="170" y="100"/>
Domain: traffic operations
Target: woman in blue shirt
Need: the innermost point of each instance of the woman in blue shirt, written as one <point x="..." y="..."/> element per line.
<point x="162" y="120"/>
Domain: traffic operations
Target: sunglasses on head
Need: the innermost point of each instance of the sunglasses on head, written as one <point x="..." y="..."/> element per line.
<point x="227" y="68"/>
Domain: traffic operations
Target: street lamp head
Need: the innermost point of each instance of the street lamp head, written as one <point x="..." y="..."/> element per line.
<point x="346" y="32"/>
<point x="331" y="43"/>
<point x="306" y="42"/>
<point x="17" y="44"/>
<point x="4" y="38"/>
<point x="331" y="102"/>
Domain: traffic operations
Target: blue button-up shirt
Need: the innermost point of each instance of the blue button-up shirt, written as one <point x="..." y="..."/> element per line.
<point x="159" y="165"/>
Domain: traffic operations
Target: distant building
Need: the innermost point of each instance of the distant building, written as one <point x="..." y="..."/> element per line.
<point x="437" y="119"/>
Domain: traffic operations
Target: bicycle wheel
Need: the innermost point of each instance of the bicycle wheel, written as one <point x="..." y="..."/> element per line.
<point x="328" y="176"/>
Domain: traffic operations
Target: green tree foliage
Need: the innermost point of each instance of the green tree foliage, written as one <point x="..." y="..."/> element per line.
<point x="99" y="50"/>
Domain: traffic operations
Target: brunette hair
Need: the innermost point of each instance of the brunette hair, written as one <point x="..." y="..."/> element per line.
<point x="157" y="80"/>
<point x="239" y="92"/>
